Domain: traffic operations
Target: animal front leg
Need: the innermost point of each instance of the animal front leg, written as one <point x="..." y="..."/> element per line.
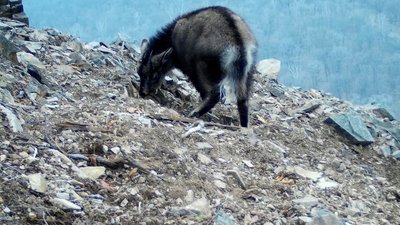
<point x="208" y="103"/>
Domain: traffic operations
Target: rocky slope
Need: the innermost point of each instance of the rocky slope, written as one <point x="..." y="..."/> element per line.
<point x="78" y="146"/>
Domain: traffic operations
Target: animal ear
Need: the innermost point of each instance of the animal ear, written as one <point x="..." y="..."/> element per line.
<point x="144" y="46"/>
<point x="166" y="55"/>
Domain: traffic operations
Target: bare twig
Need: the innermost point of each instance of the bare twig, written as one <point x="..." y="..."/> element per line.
<point x="69" y="125"/>
<point x="112" y="163"/>
<point x="190" y="120"/>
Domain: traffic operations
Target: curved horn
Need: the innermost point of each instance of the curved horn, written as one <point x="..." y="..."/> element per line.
<point x="149" y="60"/>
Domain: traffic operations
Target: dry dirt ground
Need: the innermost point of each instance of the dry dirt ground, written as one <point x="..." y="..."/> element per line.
<point x="155" y="166"/>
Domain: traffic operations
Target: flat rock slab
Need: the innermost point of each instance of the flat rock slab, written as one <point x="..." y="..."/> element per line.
<point x="307" y="201"/>
<point x="314" y="176"/>
<point x="92" y="172"/>
<point x="351" y="125"/>
<point x="38" y="182"/>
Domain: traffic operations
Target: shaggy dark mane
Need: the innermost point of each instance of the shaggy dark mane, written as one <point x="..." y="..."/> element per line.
<point x="161" y="41"/>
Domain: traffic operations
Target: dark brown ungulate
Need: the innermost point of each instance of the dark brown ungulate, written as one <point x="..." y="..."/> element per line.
<point x="213" y="46"/>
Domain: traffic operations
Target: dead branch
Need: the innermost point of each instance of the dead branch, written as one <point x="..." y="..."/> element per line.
<point x="114" y="163"/>
<point x="190" y="120"/>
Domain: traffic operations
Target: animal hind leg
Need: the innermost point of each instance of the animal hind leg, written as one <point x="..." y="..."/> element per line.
<point x="211" y="99"/>
<point x="243" y="108"/>
<point x="242" y="95"/>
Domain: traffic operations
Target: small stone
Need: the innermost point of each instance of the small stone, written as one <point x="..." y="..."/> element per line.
<point x="116" y="150"/>
<point x="63" y="195"/>
<point x="8" y="49"/>
<point x="124" y="202"/>
<point x="223" y="218"/>
<point x="202" y="206"/>
<point x="204" y="159"/>
<point x="307" y="201"/>
<point x="6" y="96"/>
<point x="357" y="208"/>
<point x="384" y="113"/>
<point x="77" y="58"/>
<point x="7" y="210"/>
<point x="27" y="58"/>
<point x="305" y="173"/>
<point x="325" y="217"/>
<point x="324" y="183"/>
<point x="105" y="50"/>
<point x="248" y="163"/>
<point x="23" y="155"/>
<point x="220" y="184"/>
<point x="133" y="191"/>
<point x="14" y="121"/>
<point x="198" y="207"/>
<point x="92" y="172"/>
<point x="32" y="215"/>
<point x="309" y="107"/>
<point x="386" y="151"/>
<point x="396" y="154"/>
<point x="189" y="196"/>
<point x="33" y="47"/>
<point x="180" y="151"/>
<point x="238" y="178"/>
<point x="38" y="182"/>
<point x="65" y="204"/>
<point x="305" y="219"/>
<point x="203" y="145"/>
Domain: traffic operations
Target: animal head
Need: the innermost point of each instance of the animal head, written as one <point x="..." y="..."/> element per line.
<point x="152" y="68"/>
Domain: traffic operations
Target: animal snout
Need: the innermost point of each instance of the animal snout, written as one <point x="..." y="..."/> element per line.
<point x="143" y="92"/>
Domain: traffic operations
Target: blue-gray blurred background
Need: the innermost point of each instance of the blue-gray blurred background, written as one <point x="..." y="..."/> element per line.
<point x="350" y="48"/>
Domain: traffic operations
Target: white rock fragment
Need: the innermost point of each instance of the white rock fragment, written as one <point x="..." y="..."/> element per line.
<point x="306" y="173"/>
<point x="33" y="46"/>
<point x="6" y="210"/>
<point x="248" y="163"/>
<point x="220" y="184"/>
<point x="64" y="159"/>
<point x="105" y="50"/>
<point x="133" y="191"/>
<point x="92" y="172"/>
<point x="15" y="122"/>
<point x="116" y="150"/>
<point x="203" y="145"/>
<point x="124" y="202"/>
<point x="189" y="196"/>
<point x="180" y="151"/>
<point x="204" y="159"/>
<point x="269" y="68"/>
<point x="38" y="182"/>
<point x="63" y="195"/>
<point x="326" y="183"/>
<point x="307" y="201"/>
<point x="305" y="219"/>
<point x="201" y="206"/>
<point x="65" y="204"/>
<point x="27" y="58"/>
<point x="64" y="69"/>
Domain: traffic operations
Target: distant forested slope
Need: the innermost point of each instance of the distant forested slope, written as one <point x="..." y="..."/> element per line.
<point x="348" y="48"/>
